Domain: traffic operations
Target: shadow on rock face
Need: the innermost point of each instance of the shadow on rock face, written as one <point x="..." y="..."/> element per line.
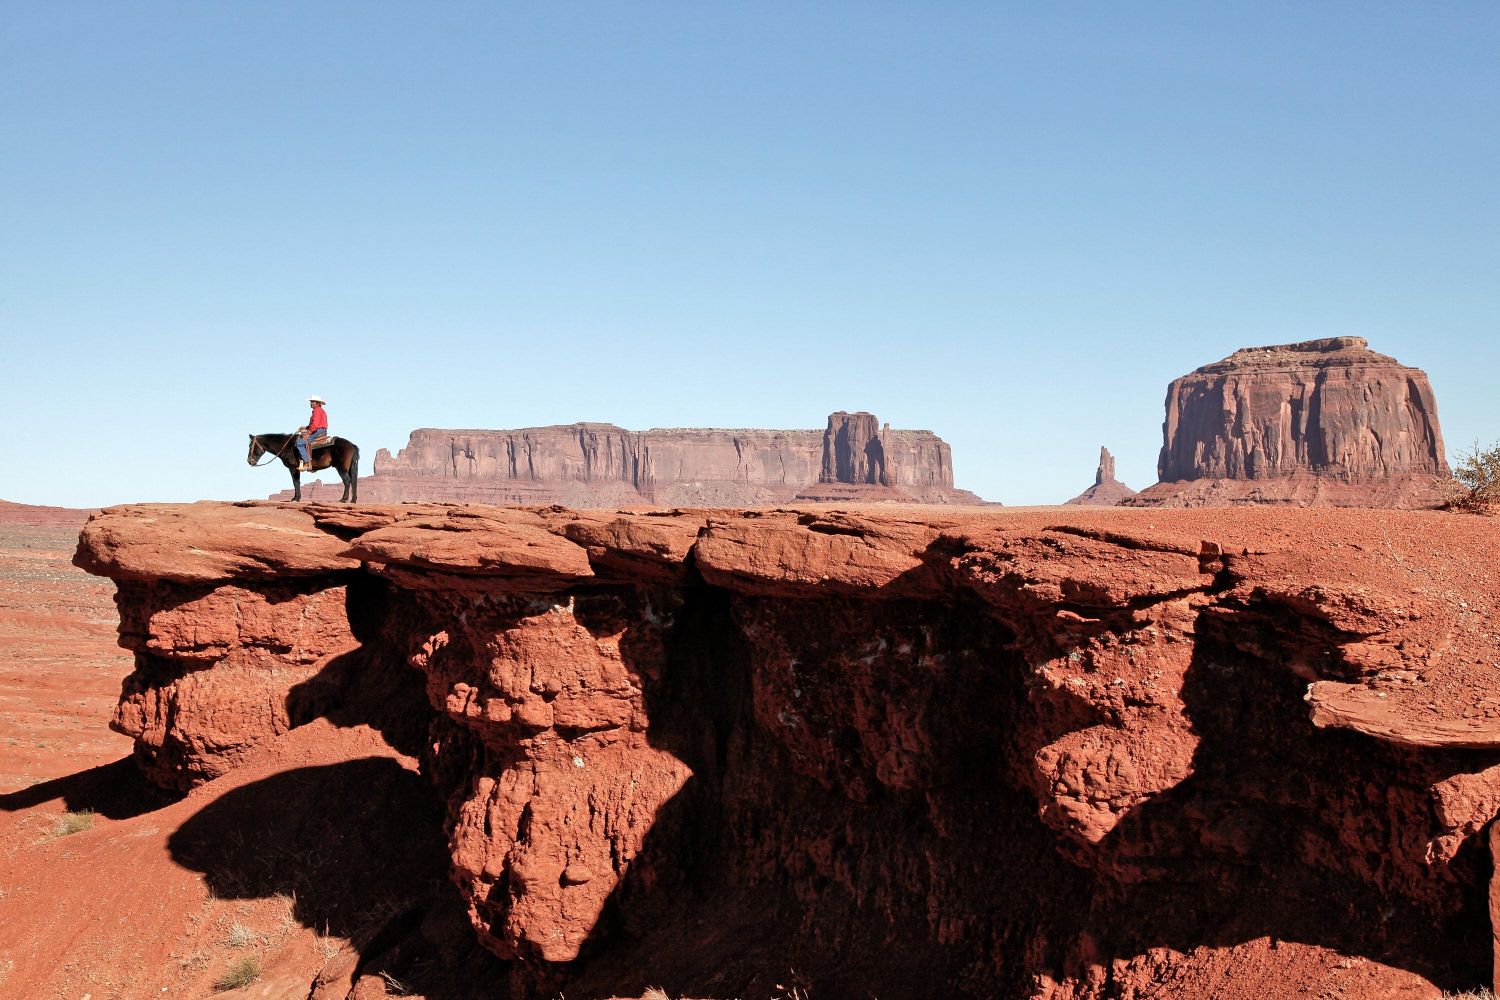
<point x="359" y="847"/>
<point x="775" y="869"/>
<point x="114" y="791"/>
<point x="772" y="859"/>
<point x="1294" y="833"/>
<point x="370" y="685"/>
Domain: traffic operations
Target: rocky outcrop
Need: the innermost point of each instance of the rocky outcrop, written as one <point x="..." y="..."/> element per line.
<point x="1107" y="490"/>
<point x="1321" y="422"/>
<point x="1056" y="754"/>
<point x="282" y="623"/>
<point x="601" y="465"/>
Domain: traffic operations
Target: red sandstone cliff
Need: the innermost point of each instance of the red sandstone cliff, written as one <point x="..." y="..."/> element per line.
<point x="1048" y="754"/>
<point x="601" y="465"/>
<point x="1107" y="490"/>
<point x="1322" y="422"/>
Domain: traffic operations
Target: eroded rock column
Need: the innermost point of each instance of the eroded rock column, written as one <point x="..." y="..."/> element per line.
<point x="555" y="784"/>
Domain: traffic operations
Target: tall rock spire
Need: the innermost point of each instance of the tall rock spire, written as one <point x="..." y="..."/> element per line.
<point x="1107" y="490"/>
<point x="1106" y="473"/>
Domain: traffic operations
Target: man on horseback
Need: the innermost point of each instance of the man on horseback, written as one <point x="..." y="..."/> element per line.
<point x="317" y="426"/>
<point x="336" y="453"/>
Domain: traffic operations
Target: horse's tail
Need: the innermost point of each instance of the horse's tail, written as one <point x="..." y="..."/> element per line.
<point x="354" y="475"/>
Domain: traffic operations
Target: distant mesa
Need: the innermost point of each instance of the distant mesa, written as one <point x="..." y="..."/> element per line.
<point x="855" y="459"/>
<point x="30" y="516"/>
<point x="1326" y="422"/>
<point x="1107" y="490"/>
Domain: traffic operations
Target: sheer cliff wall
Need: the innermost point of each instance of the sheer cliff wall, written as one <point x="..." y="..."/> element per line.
<point x="1325" y="421"/>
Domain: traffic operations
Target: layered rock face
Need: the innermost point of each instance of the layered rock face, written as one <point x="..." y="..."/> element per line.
<point x="1325" y="421"/>
<point x="1107" y="490"/>
<point x="601" y="465"/>
<point x="1056" y="754"/>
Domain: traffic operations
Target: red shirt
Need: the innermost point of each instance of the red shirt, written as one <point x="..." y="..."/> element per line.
<point x="318" y="421"/>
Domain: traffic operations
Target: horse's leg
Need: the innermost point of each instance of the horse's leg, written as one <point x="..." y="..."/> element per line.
<point x="296" y="485"/>
<point x="343" y="478"/>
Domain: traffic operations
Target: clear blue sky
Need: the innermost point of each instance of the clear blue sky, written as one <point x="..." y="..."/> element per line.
<point x="1012" y="224"/>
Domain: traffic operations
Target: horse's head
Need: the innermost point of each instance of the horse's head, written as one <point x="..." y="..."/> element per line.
<point x="256" y="450"/>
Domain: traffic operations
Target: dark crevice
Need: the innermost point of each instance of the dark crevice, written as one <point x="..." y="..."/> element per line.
<point x="1123" y="541"/>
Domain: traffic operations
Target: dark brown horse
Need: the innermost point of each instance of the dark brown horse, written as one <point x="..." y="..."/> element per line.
<point x="342" y="456"/>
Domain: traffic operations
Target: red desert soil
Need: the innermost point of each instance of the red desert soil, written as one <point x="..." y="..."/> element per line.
<point x="106" y="912"/>
<point x="291" y="857"/>
<point x="60" y="667"/>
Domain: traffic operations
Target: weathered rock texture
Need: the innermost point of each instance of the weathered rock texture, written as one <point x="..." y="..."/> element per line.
<point x="601" y="465"/>
<point x="1049" y="754"/>
<point x="1321" y="422"/>
<point x="1107" y="490"/>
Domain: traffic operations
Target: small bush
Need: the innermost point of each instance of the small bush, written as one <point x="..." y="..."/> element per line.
<point x="240" y="936"/>
<point x="655" y="993"/>
<point x="73" y="822"/>
<point x="243" y="972"/>
<point x="1476" y="481"/>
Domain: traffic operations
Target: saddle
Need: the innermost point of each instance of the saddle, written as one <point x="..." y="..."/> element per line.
<point x="323" y="442"/>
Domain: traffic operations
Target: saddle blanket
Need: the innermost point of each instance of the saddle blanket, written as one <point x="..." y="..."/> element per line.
<point x="323" y="442"/>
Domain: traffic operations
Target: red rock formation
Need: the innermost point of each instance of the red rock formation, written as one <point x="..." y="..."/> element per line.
<point x="1107" y="490"/>
<point x="281" y="623"/>
<point x="1325" y="422"/>
<point x="1047" y="754"/>
<point x="854" y="450"/>
<point x="601" y="465"/>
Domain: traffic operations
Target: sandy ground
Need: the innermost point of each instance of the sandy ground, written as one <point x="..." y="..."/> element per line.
<point x="102" y="912"/>
<point x="110" y="890"/>
<point x="60" y="669"/>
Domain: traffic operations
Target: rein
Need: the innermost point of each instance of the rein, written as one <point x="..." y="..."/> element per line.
<point x="267" y="451"/>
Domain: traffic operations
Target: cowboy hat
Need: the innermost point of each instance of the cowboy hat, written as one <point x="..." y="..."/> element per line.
<point x="316" y="399"/>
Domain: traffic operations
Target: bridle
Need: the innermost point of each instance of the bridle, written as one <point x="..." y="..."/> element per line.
<point x="257" y="464"/>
